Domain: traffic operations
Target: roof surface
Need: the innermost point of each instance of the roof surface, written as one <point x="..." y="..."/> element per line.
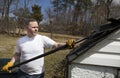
<point x="100" y="48"/>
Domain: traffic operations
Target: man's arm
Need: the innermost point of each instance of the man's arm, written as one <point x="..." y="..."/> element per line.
<point x="70" y="44"/>
<point x="11" y="62"/>
<point x="15" y="57"/>
<point x="58" y="45"/>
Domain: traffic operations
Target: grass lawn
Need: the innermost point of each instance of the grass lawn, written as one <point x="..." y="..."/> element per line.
<point x="53" y="62"/>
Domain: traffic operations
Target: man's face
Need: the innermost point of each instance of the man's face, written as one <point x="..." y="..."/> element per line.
<point x="32" y="29"/>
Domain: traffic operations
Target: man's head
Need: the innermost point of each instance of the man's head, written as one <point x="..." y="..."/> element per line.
<point x="32" y="27"/>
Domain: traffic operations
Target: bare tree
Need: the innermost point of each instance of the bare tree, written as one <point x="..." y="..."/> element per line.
<point x="50" y="18"/>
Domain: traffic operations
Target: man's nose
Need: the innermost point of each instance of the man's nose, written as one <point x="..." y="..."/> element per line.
<point x="36" y="29"/>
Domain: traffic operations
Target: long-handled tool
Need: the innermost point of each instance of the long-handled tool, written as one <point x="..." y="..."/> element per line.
<point x="113" y="21"/>
<point x="45" y="54"/>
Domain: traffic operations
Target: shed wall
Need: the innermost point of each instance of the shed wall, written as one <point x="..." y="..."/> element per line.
<point x="89" y="71"/>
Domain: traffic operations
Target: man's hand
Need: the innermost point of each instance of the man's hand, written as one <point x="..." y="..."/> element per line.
<point x="6" y="67"/>
<point x="70" y="43"/>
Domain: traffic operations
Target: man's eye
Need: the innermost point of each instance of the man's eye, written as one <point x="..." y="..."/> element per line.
<point x="34" y="27"/>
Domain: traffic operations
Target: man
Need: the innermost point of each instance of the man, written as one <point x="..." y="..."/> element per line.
<point x="29" y="46"/>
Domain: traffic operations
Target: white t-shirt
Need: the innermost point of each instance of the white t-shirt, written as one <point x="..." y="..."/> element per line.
<point x="32" y="47"/>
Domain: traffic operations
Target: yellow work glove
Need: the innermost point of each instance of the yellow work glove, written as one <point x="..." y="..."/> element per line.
<point x="70" y="43"/>
<point x="5" y="68"/>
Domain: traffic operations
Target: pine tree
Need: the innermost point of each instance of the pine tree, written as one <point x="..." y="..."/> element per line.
<point x="36" y="13"/>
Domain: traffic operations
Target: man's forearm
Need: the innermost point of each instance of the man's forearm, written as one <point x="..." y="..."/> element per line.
<point x="16" y="57"/>
<point x="58" y="45"/>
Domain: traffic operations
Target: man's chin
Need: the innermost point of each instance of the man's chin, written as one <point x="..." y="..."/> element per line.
<point x="34" y="34"/>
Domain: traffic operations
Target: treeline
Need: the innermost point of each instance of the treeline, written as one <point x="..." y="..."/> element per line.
<point x="81" y="17"/>
<point x="76" y="17"/>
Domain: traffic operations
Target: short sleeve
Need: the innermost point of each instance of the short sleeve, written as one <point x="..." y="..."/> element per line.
<point x="48" y="42"/>
<point x="17" y="50"/>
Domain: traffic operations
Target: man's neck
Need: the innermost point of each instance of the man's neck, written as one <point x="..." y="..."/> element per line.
<point x="31" y="36"/>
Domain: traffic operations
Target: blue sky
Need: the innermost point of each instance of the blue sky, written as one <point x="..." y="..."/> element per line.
<point x="45" y="4"/>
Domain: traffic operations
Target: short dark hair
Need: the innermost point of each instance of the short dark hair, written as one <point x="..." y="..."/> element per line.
<point x="30" y="20"/>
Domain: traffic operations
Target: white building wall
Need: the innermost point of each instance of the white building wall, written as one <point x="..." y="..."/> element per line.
<point x="89" y="71"/>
